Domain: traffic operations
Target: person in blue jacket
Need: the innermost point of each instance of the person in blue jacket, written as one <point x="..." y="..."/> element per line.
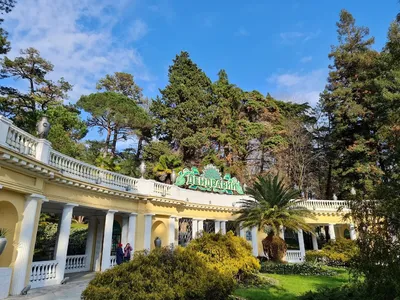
<point x="120" y="254"/>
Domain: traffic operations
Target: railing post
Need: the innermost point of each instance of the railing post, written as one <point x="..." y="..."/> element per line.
<point x="4" y="126"/>
<point x="43" y="151"/>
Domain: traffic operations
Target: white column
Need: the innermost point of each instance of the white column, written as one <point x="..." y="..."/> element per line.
<point x="132" y="230"/>
<point x="124" y="230"/>
<point x="217" y="226"/>
<point x="200" y="226"/>
<point x="63" y="239"/>
<point x="332" y="232"/>
<point x="89" y="242"/>
<point x="223" y="227"/>
<point x="171" y="231"/>
<point x="107" y="240"/>
<point x="24" y="243"/>
<point x="99" y="243"/>
<point x="301" y="243"/>
<point x="314" y="242"/>
<point x="254" y="240"/>
<point x="242" y="231"/>
<point x="194" y="228"/>
<point x="282" y="232"/>
<point x="148" y="223"/>
<point x="353" y="235"/>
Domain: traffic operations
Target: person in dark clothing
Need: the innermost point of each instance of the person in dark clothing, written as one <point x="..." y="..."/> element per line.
<point x="120" y="254"/>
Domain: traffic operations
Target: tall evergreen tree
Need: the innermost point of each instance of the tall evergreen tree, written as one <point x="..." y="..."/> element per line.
<point x="349" y="100"/>
<point x="182" y="113"/>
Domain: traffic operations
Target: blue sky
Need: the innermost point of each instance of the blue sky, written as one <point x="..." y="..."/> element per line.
<point x="279" y="47"/>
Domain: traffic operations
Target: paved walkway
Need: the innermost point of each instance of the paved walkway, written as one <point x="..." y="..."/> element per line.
<point x="72" y="290"/>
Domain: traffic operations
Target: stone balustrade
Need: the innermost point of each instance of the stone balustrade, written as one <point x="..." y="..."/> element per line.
<point x="76" y="263"/>
<point x="17" y="140"/>
<point x="43" y="273"/>
<point x="294" y="256"/>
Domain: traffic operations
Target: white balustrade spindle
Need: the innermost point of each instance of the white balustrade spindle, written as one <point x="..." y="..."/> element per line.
<point x="162" y="188"/>
<point x="76" y="263"/>
<point x="21" y="141"/>
<point x="294" y="256"/>
<point x="113" y="260"/>
<point x="43" y="273"/>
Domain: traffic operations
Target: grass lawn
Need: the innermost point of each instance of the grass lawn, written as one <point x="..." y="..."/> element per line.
<point x="79" y="225"/>
<point x="291" y="286"/>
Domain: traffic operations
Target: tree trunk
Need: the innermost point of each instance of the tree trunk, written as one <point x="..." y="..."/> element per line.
<point x="114" y="142"/>
<point x="139" y="148"/>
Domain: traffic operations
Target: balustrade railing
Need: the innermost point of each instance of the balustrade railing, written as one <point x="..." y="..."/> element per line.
<point x="162" y="188"/>
<point x="113" y="260"/>
<point x="43" y="273"/>
<point x="76" y="263"/>
<point x="294" y="256"/>
<point x="327" y="205"/>
<point x="84" y="171"/>
<point x="21" y="141"/>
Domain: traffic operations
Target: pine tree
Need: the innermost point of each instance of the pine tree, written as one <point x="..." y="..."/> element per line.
<point x="183" y="112"/>
<point x="349" y="100"/>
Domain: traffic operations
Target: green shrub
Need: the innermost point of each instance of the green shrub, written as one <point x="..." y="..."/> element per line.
<point x="229" y="254"/>
<point x="306" y="269"/>
<point x="348" y="292"/>
<point x="334" y="253"/>
<point x="163" y="274"/>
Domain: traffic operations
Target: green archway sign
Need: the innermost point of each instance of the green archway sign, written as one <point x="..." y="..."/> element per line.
<point x="210" y="180"/>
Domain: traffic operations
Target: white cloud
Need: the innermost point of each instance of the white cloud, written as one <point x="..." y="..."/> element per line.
<point x="306" y="59"/>
<point x="299" y="87"/>
<point x="139" y="30"/>
<point x="242" y="32"/>
<point x="293" y="37"/>
<point x="76" y="36"/>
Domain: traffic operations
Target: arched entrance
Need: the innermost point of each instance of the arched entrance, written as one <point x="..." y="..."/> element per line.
<point x="8" y="221"/>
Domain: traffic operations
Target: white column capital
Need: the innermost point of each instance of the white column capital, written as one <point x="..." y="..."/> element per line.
<point x="36" y="197"/>
<point x="149" y="214"/>
<point x="111" y="211"/>
<point x="133" y="214"/>
<point x="72" y="205"/>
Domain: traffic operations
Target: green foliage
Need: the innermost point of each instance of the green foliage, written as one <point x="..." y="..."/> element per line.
<point x="271" y="207"/>
<point x="3" y="232"/>
<point x="183" y="111"/>
<point x="334" y="253"/>
<point x="229" y="254"/>
<point x="163" y="274"/>
<point x="165" y="165"/>
<point x="348" y="292"/>
<point x="116" y="114"/>
<point x="305" y="269"/>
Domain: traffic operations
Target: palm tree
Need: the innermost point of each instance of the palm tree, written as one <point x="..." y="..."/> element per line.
<point x="165" y="165"/>
<point x="273" y="205"/>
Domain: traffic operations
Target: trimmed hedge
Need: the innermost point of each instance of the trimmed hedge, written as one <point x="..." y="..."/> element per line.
<point x="163" y="274"/>
<point x="306" y="269"/>
<point x="337" y="253"/>
<point x="348" y="292"/>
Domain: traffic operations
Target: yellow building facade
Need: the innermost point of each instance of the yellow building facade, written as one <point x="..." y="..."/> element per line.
<point x="36" y="179"/>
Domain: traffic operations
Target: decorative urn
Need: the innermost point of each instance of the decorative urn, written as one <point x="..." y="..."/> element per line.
<point x="157" y="242"/>
<point x="173" y="176"/>
<point x="43" y="127"/>
<point x="142" y="168"/>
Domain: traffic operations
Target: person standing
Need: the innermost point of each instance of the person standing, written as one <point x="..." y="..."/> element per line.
<point x="127" y="252"/>
<point x="120" y="254"/>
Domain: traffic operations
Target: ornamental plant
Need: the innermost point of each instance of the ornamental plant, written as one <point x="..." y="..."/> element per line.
<point x="273" y="205"/>
<point x="228" y="254"/>
<point x="162" y="274"/>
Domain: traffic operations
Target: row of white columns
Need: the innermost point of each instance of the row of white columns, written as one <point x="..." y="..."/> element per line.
<point x="103" y="240"/>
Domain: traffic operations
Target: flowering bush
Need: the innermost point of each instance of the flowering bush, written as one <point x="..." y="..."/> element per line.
<point x="334" y="253"/>
<point x="229" y="254"/>
<point x="163" y="274"/>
